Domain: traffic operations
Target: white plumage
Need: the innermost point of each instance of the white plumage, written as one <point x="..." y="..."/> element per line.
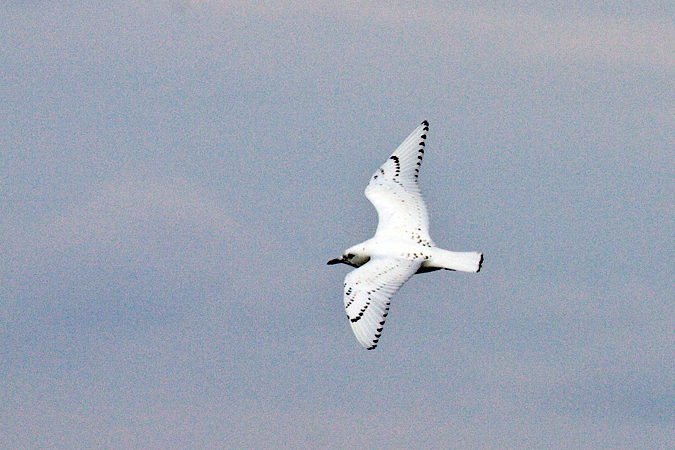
<point x="401" y="246"/>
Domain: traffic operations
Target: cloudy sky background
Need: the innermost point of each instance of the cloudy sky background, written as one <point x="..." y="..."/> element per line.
<point x="175" y="175"/>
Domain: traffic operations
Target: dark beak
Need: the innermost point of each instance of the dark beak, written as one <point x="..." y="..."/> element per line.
<point x="335" y="261"/>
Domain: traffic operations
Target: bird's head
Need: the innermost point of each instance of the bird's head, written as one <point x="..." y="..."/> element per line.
<point x="354" y="257"/>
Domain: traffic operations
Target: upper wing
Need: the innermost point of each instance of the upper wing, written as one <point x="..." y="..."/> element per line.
<point x="395" y="193"/>
<point x="368" y="291"/>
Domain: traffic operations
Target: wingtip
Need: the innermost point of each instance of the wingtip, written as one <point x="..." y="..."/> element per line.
<point x="373" y="345"/>
<point x="425" y="123"/>
<point x="480" y="263"/>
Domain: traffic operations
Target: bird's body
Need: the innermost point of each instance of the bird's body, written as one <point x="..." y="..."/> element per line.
<point x="401" y="246"/>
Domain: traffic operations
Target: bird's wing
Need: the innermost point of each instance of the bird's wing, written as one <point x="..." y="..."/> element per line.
<point x="368" y="291"/>
<point x="395" y="193"/>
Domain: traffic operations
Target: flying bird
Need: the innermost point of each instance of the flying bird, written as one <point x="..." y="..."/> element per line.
<point x="401" y="246"/>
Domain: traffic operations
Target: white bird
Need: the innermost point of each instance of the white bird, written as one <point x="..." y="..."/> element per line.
<point x="401" y="246"/>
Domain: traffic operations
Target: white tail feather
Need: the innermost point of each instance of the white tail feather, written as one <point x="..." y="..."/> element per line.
<point x="462" y="261"/>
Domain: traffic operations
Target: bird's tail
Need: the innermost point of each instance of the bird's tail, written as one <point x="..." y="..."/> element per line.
<point x="462" y="261"/>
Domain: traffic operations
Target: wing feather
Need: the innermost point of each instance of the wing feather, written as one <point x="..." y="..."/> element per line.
<point x="368" y="291"/>
<point x="395" y="193"/>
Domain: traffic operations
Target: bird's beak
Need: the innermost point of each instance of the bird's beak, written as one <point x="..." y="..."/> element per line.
<point x="335" y="261"/>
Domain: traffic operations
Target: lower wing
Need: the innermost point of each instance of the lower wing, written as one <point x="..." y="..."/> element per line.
<point x="368" y="291"/>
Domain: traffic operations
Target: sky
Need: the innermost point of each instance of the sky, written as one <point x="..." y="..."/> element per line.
<point x="175" y="175"/>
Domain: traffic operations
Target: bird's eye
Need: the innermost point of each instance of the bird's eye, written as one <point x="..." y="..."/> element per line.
<point x="350" y="255"/>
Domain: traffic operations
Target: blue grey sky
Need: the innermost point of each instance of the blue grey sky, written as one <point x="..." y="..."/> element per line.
<point x="176" y="174"/>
